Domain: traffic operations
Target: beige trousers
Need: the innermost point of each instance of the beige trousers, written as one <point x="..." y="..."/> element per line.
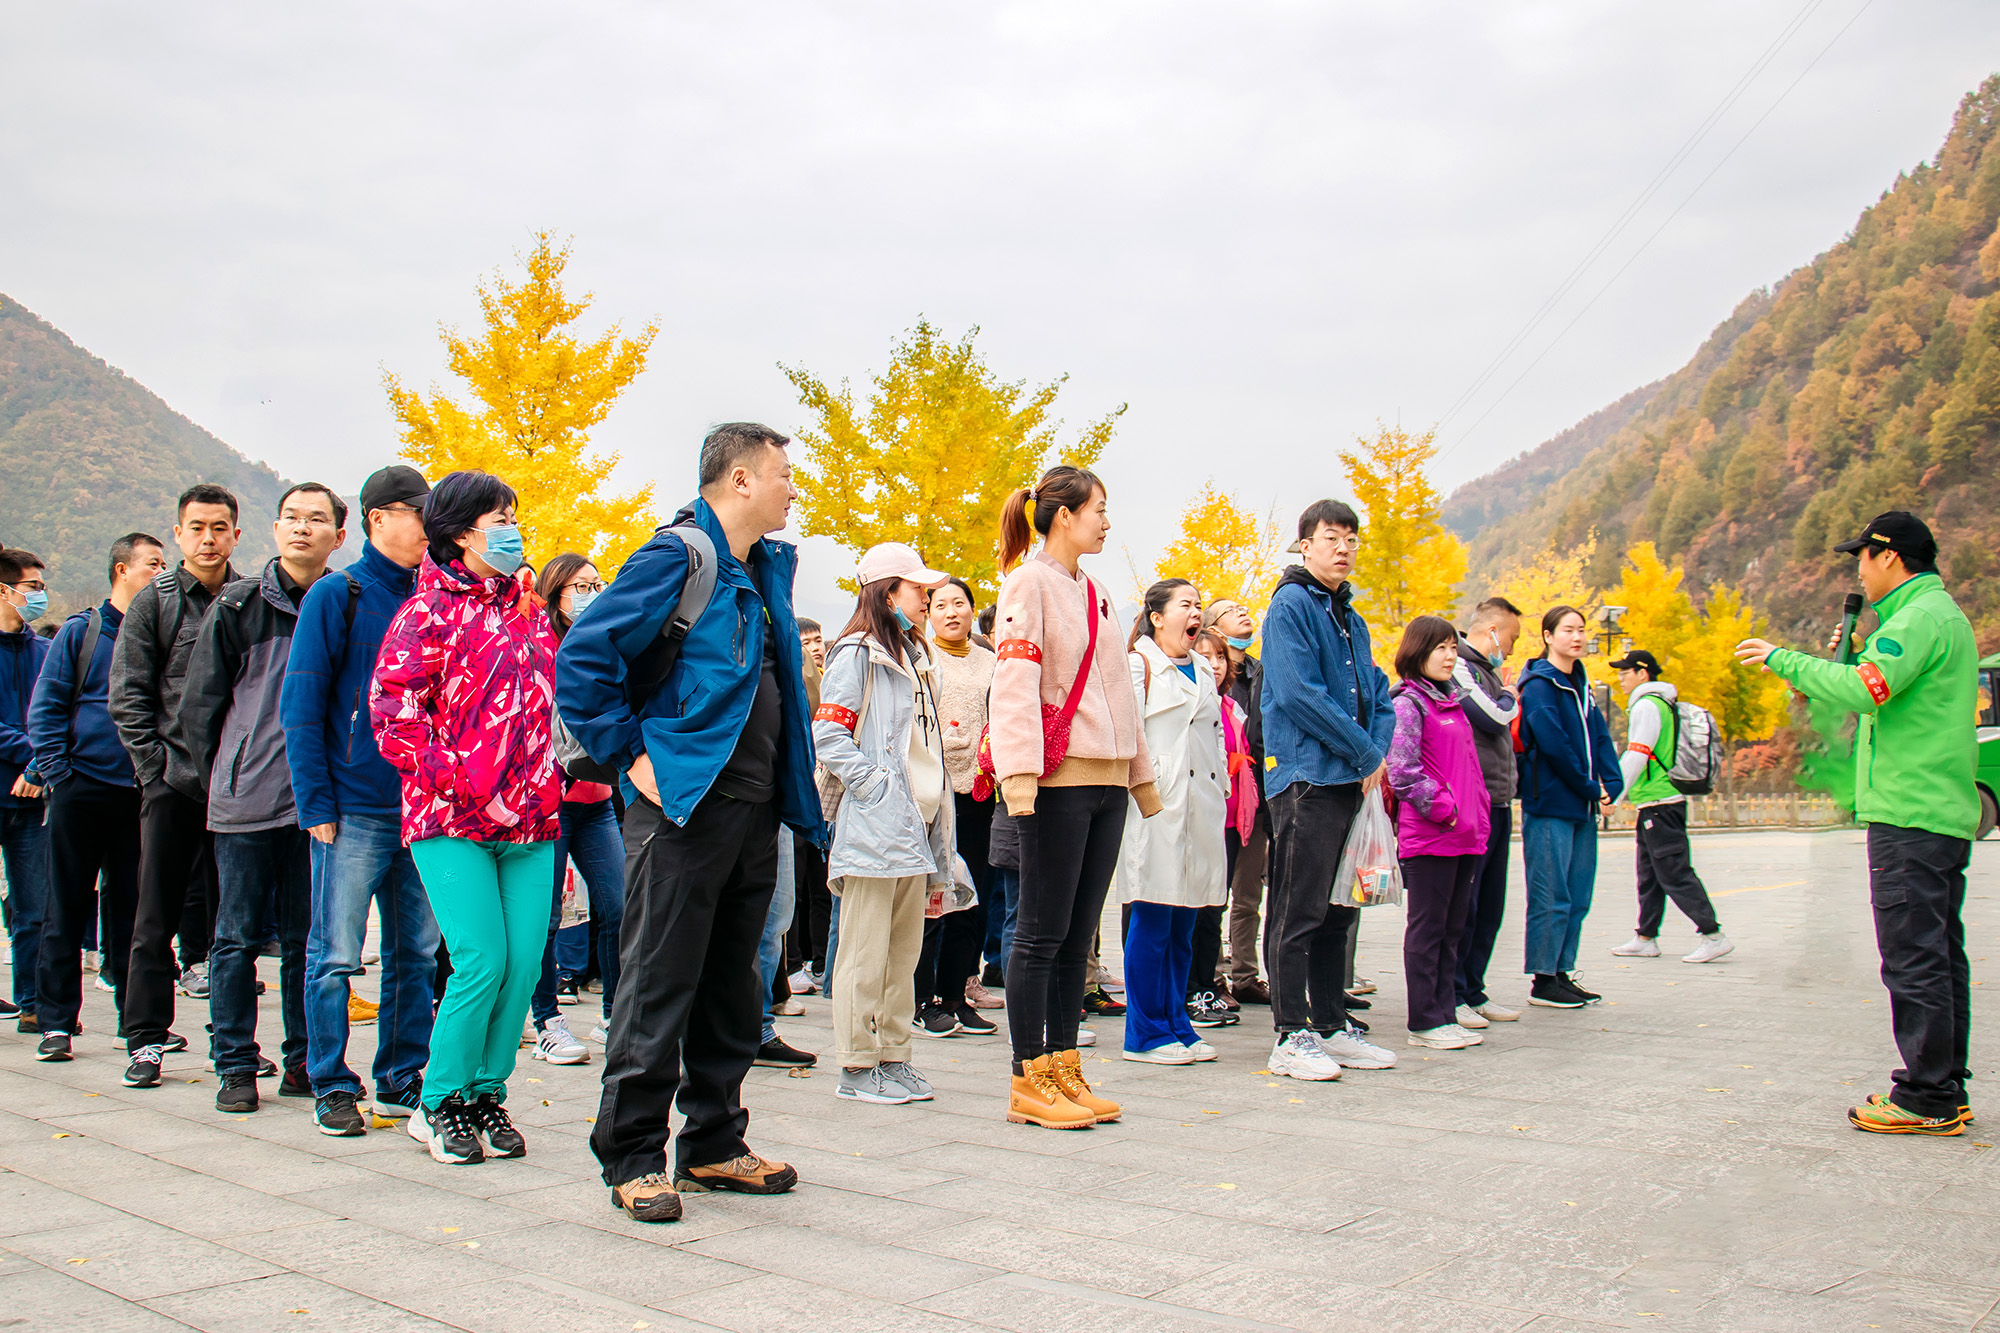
<point x="874" y="983"/>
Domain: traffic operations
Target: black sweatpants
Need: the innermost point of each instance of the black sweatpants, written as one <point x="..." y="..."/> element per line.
<point x="1307" y="938"/>
<point x="1916" y="882"/>
<point x="1489" y="908"/>
<point x="176" y="860"/>
<point x="1666" y="870"/>
<point x="93" y="831"/>
<point x="1069" y="849"/>
<point x="690" y="998"/>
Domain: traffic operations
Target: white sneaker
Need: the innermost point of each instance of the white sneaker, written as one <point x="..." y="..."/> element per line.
<point x="1357" y="1052"/>
<point x="803" y="983"/>
<point x="1496" y="1013"/>
<point x="1711" y="948"/>
<point x="92" y="960"/>
<point x="1471" y="1038"/>
<point x="1450" y="1037"/>
<point x="557" y="1046"/>
<point x="1166" y="1053"/>
<point x="1468" y="1017"/>
<point x="1299" y="1055"/>
<point x="1085" y="1037"/>
<point x="1638" y="947"/>
<point x="788" y="1009"/>
<point x="370" y="957"/>
<point x="601" y="1033"/>
<point x="1201" y="1050"/>
<point x="104" y="985"/>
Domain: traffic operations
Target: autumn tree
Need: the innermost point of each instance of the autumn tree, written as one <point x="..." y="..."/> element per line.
<point x="931" y="454"/>
<point x="1409" y="564"/>
<point x="536" y="392"/>
<point x="1225" y="550"/>
<point x="1659" y="615"/>
<point x="1556" y="577"/>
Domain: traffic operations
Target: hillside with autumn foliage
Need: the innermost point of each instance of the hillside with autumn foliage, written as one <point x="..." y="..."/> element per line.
<point x="1867" y="380"/>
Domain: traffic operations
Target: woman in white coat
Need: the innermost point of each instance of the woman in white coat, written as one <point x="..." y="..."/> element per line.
<point x="1173" y="864"/>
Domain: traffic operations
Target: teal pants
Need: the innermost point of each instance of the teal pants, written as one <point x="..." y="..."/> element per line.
<point x="491" y="900"/>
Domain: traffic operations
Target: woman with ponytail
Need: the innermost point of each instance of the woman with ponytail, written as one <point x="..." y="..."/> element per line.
<point x="1068" y="752"/>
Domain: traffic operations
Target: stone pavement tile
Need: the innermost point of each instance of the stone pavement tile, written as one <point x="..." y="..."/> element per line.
<point x="589" y="1204"/>
<point x="1913" y="1242"/>
<point x="137" y="1259"/>
<point x="1324" y="1303"/>
<point x="146" y="1129"/>
<point x="492" y="1179"/>
<point x="528" y="1304"/>
<point x="273" y="1167"/>
<point x="1319" y="1203"/>
<point x="982" y="1122"/>
<point x="199" y="1205"/>
<point x="39" y="1300"/>
<point x="771" y="1304"/>
<point x="839" y="1127"/>
<point x="291" y="1301"/>
<point x="1754" y="1309"/>
<point x="1027" y="1304"/>
<point x="1024" y="1164"/>
<point x="21" y="1128"/>
<point x="1055" y="1209"/>
<point x="28" y="1205"/>
<point x="882" y="1271"/>
<point x="1585" y="1293"/>
<point x="61" y="1156"/>
<point x="420" y="1211"/>
<point x="1983" y="1200"/>
<point x="879" y="1170"/>
<point x="852" y="1212"/>
<point x="365" y="1259"/>
<point x="644" y="1270"/>
<point x="1381" y="1255"/>
<point x="1259" y="1172"/>
<point x="1901" y="1302"/>
<point x="1020" y="1246"/>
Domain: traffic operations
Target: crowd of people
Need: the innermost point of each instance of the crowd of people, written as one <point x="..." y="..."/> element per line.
<point x="924" y="808"/>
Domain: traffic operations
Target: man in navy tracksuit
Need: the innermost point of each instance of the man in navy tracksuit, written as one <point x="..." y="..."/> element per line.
<point x="24" y="842"/>
<point x="350" y="801"/>
<point x="93" y="798"/>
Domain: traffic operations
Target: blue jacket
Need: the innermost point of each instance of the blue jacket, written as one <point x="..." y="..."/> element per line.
<point x="21" y="656"/>
<point x="691" y="723"/>
<point x="324" y="704"/>
<point x="1568" y="759"/>
<point x="84" y="741"/>
<point x="1328" y="719"/>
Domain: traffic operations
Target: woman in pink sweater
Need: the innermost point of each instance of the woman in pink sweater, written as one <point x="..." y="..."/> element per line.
<point x="1051" y="686"/>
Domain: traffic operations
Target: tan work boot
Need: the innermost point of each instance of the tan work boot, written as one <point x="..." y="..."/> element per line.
<point x="1068" y="1071"/>
<point x="1035" y="1098"/>
<point x="748" y="1174"/>
<point x="648" y="1199"/>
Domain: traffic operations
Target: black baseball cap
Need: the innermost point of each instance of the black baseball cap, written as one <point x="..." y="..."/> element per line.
<point x="1898" y="531"/>
<point x="1638" y="660"/>
<point x="396" y="484"/>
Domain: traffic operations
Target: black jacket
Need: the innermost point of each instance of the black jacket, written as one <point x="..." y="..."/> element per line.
<point x="154" y="645"/>
<point x="1244" y="690"/>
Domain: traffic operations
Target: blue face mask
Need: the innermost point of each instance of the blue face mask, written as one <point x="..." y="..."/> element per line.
<point x="902" y="621"/>
<point x="504" y="550"/>
<point x="579" y="600"/>
<point x="37" y="605"/>
<point x="1240" y="645"/>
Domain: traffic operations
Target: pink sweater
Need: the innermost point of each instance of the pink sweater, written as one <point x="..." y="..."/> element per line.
<point x="1042" y="630"/>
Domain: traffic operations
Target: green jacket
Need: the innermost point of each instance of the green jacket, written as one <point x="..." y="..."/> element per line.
<point x="1916" y="688"/>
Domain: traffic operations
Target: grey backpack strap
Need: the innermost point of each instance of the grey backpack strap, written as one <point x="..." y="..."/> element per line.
<point x="657" y="662"/>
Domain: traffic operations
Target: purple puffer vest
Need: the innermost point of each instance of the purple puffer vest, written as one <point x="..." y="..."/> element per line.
<point x="1442" y="806"/>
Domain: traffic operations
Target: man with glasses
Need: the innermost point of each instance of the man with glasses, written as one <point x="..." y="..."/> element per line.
<point x="349" y="802"/>
<point x="24" y="842"/>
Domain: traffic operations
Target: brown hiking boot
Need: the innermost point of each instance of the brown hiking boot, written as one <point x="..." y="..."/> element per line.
<point x="748" y="1174"/>
<point x="648" y="1199"/>
<point x="1035" y="1098"/>
<point x="1252" y="991"/>
<point x="1068" y="1072"/>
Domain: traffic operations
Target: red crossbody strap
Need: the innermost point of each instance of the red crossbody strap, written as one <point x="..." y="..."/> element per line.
<point x="1089" y="656"/>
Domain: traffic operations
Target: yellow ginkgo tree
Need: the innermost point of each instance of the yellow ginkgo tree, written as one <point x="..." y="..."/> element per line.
<point x="1225" y="550"/>
<point x="1409" y="563"/>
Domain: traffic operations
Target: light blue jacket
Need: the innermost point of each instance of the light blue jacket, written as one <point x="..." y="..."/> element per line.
<point x="879" y="831"/>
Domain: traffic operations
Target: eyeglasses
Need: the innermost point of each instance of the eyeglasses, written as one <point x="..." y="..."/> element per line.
<point x="29" y="585"/>
<point x="398" y="509"/>
<point x="594" y="585"/>
<point x="306" y="520"/>
<point x="1351" y="542"/>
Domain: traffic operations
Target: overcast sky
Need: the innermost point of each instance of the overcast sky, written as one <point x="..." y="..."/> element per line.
<point x="1263" y="225"/>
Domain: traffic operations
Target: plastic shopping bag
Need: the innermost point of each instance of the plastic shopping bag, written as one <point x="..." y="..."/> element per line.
<point x="1370" y="875"/>
<point x="575" y="897"/>
<point x="958" y="897"/>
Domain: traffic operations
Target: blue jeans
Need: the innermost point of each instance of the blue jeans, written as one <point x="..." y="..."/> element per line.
<point x="367" y="860"/>
<point x="1560" y="856"/>
<point x="24" y="844"/>
<point x="771" y="949"/>
<point x="590" y="837"/>
<point x="1159" y="949"/>
<point x="258" y="876"/>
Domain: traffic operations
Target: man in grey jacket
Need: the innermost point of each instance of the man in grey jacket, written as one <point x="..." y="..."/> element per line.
<point x="1491" y="707"/>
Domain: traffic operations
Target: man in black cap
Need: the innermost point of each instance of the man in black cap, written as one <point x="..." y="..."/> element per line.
<point x="1666" y="864"/>
<point x="349" y="801"/>
<point x="1915" y="684"/>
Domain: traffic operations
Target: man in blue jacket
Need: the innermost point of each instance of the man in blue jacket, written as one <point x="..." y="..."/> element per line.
<point x="24" y="842"/>
<point x="349" y="801"/>
<point x="93" y="798"/>
<point x="716" y="759"/>
<point x="1328" y="722"/>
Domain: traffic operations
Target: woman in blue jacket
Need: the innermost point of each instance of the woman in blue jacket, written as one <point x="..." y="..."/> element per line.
<point x="1568" y="770"/>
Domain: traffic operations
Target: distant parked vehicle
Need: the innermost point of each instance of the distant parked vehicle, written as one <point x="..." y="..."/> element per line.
<point x="1989" y="744"/>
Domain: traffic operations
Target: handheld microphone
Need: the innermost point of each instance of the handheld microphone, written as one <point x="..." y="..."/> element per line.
<point x="1850" y="611"/>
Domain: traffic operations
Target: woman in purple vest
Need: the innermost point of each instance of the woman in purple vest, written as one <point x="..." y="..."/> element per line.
<point x="1441" y="823"/>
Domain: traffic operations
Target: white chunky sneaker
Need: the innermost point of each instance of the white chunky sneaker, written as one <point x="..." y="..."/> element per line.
<point x="1450" y="1037"/>
<point x="1471" y="1038"/>
<point x="1201" y="1050"/>
<point x="1299" y="1055"/>
<point x="1497" y="1013"/>
<point x="1166" y="1053"/>
<point x="1639" y="946"/>
<point x="1085" y="1037"/>
<point x="1357" y="1052"/>
<point x="1468" y="1017"/>
<point x="1711" y="948"/>
<point x="558" y="1046"/>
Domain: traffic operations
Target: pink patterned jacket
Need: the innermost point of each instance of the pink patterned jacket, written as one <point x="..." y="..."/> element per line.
<point x="463" y="691"/>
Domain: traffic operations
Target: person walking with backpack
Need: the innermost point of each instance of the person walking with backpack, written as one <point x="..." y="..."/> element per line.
<point x="701" y="706"/>
<point x="1665" y="861"/>
<point x="1568" y="773"/>
<point x="348" y="799"/>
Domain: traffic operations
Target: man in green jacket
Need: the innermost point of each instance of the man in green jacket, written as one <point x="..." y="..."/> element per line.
<point x="1915" y="685"/>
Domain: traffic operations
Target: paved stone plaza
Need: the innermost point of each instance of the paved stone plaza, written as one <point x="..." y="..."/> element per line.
<point x="1673" y="1159"/>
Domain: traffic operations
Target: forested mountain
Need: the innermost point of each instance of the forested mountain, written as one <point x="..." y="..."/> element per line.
<point x="87" y="454"/>
<point x="1867" y="380"/>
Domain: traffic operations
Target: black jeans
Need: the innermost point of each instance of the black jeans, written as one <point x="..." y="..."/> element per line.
<point x="93" y="831"/>
<point x="1916" y="881"/>
<point x="690" y="999"/>
<point x="814" y="905"/>
<point x="1489" y="907"/>
<point x="1069" y="849"/>
<point x="176" y="863"/>
<point x="1307" y="938"/>
<point x="1666" y="870"/>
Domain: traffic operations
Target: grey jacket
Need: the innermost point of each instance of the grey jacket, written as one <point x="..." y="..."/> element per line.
<point x="149" y="662"/>
<point x="1491" y="708"/>
<point x="879" y="832"/>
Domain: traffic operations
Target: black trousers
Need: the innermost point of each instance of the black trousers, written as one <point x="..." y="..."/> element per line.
<point x="1438" y="891"/>
<point x="1069" y="850"/>
<point x="1916" y="882"/>
<point x="1489" y="908"/>
<point x="176" y="860"/>
<point x="1207" y="948"/>
<point x="93" y="831"/>
<point x="1308" y="940"/>
<point x="952" y="942"/>
<point x="1666" y="870"/>
<point x="690" y="999"/>
<point x="815" y="905"/>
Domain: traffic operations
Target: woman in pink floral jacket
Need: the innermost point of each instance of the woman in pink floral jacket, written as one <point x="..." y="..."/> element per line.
<point x="461" y="701"/>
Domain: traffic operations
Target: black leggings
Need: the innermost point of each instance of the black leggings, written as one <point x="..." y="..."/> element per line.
<point x="1069" y="849"/>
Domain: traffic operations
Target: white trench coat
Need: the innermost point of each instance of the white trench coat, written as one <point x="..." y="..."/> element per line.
<point x="1176" y="857"/>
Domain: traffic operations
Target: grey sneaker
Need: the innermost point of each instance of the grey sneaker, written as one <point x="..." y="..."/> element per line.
<point x="194" y="982"/>
<point x="871" y="1085"/>
<point x="905" y="1073"/>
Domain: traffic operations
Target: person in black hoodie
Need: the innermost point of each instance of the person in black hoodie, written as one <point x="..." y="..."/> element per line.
<point x="1246" y="875"/>
<point x="24" y="842"/>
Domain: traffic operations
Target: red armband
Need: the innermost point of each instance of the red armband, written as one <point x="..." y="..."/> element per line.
<point x="1019" y="649"/>
<point x="1877" y="683"/>
<point x="846" y="717"/>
